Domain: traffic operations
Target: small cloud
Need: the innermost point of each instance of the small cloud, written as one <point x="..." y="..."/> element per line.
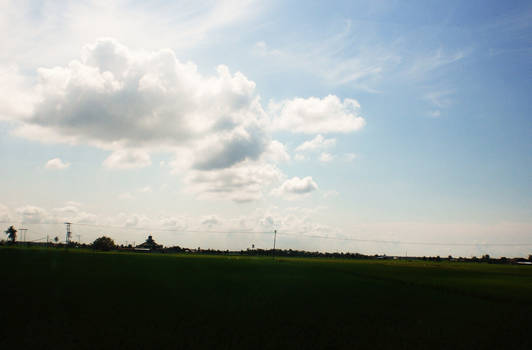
<point x="330" y="194"/>
<point x="276" y="152"/>
<point x="174" y="222"/>
<point x="126" y="195"/>
<point x="210" y="221"/>
<point x="435" y="114"/>
<point x="4" y="213"/>
<point x="349" y="157"/>
<point x="68" y="210"/>
<point x="128" y="159"/>
<point x="317" y="143"/>
<point x="300" y="157"/>
<point x="326" y="157"/>
<point x="296" y="187"/>
<point x="315" y="115"/>
<point x="146" y="189"/>
<point x="261" y="48"/>
<point x="33" y="215"/>
<point x="56" y="164"/>
<point x="440" y="99"/>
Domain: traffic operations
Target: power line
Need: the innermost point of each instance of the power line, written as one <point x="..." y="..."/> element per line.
<point x="40" y="239"/>
<point x="153" y="229"/>
<point x="173" y="229"/>
<point x="23" y="233"/>
<point x="402" y="242"/>
<point x="298" y="235"/>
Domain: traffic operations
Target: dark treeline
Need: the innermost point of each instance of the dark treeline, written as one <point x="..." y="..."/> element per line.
<point x="150" y="246"/>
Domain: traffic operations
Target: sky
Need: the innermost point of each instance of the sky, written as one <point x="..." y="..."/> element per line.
<point x="382" y="127"/>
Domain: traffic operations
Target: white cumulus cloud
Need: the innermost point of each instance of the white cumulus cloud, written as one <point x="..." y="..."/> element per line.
<point x="210" y="221"/>
<point x="241" y="183"/>
<point x="56" y="164"/>
<point x="128" y="159"/>
<point x="16" y="98"/>
<point x="300" y="157"/>
<point x="349" y="157"/>
<point x="326" y="157"/>
<point x="318" y="115"/>
<point x="276" y="152"/>
<point x="296" y="186"/>
<point x="126" y="196"/>
<point x="317" y="143"/>
<point x="136" y="103"/>
<point x="32" y="215"/>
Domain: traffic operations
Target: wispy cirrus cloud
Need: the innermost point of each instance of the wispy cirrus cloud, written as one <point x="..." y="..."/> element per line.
<point x="423" y="64"/>
<point x="28" y="29"/>
<point x="335" y="59"/>
<point x="359" y="57"/>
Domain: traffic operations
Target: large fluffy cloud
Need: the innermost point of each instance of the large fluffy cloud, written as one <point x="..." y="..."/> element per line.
<point x="15" y="98"/>
<point x="115" y="98"/>
<point x="135" y="103"/>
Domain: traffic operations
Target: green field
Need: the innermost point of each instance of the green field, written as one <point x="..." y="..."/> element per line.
<point x="85" y="300"/>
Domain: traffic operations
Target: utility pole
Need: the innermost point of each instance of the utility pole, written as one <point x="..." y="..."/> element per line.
<point x="23" y="233"/>
<point x="68" y="233"/>
<point x="274" y="239"/>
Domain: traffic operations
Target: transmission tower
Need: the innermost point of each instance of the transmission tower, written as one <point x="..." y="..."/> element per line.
<point x="68" y="233"/>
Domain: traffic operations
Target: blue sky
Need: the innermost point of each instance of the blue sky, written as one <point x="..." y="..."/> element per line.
<point x="389" y="121"/>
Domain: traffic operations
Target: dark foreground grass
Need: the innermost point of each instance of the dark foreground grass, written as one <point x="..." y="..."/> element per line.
<point x="86" y="300"/>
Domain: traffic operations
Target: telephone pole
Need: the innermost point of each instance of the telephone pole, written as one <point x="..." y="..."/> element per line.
<point x="23" y="233"/>
<point x="68" y="233"/>
<point x="274" y="239"/>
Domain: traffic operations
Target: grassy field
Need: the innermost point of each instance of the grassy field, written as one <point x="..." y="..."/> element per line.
<point x="86" y="300"/>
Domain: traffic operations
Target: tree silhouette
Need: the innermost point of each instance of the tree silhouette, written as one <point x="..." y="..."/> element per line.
<point x="103" y="243"/>
<point x="11" y="233"/>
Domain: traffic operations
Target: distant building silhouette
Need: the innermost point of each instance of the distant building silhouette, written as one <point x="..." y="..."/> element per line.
<point x="150" y="244"/>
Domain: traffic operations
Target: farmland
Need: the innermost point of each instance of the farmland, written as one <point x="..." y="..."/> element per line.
<point x="82" y="299"/>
